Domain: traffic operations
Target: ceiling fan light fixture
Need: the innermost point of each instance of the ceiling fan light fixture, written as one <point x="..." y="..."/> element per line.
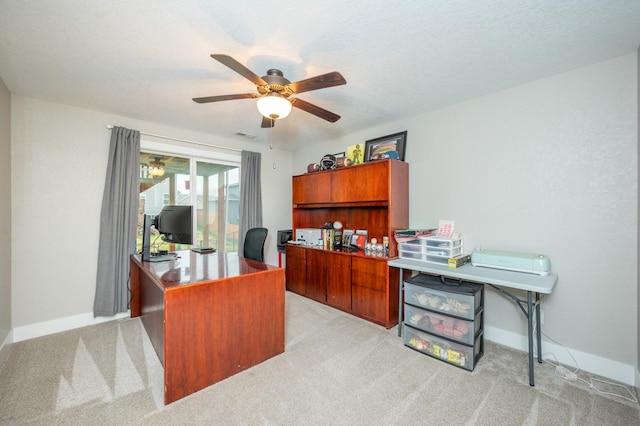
<point x="156" y="168"/>
<point x="274" y="106"/>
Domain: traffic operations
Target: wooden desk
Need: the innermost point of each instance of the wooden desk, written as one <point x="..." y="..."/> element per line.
<point x="208" y="316"/>
<point x="498" y="279"/>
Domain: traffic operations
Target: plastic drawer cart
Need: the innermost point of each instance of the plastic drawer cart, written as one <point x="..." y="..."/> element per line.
<point x="444" y="319"/>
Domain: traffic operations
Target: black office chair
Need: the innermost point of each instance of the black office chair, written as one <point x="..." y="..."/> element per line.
<point x="254" y="243"/>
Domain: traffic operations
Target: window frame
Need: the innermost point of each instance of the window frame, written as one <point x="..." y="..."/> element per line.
<point x="194" y="155"/>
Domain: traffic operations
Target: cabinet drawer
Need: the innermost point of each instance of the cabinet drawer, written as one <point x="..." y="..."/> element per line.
<point x="464" y="300"/>
<point x="369" y="273"/>
<point x="445" y="350"/>
<point x="368" y="304"/>
<point x="457" y="329"/>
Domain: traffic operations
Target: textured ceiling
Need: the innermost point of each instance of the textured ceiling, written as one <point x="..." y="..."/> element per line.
<point x="146" y="59"/>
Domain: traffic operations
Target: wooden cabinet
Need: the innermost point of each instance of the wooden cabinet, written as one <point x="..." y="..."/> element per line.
<point x="374" y="289"/>
<point x="372" y="196"/>
<point x="316" y="285"/>
<point x="339" y="281"/>
<point x="296" y="268"/>
<point x="312" y="188"/>
<point x="361" y="184"/>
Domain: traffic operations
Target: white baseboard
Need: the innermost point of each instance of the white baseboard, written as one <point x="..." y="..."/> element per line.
<point x="587" y="362"/>
<point x="45" y="328"/>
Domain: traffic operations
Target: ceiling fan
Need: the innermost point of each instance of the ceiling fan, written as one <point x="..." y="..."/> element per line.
<point x="275" y="93"/>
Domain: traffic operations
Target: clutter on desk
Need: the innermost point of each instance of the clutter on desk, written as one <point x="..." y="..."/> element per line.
<point x="309" y="236"/>
<point x="404" y="235"/>
<point x="445" y="229"/>
<point x="458" y="261"/>
<point x="443" y="246"/>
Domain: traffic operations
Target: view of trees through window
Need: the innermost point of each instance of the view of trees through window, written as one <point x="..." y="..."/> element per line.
<point x="212" y="189"/>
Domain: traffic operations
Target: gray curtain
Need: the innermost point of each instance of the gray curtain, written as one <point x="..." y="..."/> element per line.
<point x="118" y="221"/>
<point x="250" y="195"/>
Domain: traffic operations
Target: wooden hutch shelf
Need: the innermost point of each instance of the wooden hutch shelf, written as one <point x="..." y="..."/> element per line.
<point x="372" y="196"/>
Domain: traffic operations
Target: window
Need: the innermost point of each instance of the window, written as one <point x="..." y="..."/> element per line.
<point x="210" y="185"/>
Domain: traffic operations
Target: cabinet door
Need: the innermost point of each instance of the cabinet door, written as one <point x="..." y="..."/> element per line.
<point x="296" y="270"/>
<point x="316" y="285"/>
<point x="312" y="188"/>
<point x="368" y="289"/>
<point x="339" y="281"/>
<point x="369" y="182"/>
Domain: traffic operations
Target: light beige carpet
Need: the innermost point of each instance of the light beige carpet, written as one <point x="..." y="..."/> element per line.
<point x="336" y="370"/>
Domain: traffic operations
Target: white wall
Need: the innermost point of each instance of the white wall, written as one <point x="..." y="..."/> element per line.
<point x="58" y="172"/>
<point x="638" y="211"/>
<point x="548" y="167"/>
<point x="5" y="212"/>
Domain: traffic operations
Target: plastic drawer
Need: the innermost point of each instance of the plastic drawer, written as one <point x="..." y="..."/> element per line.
<point x="446" y="243"/>
<point x="413" y="246"/>
<point x="446" y="253"/>
<point x="457" y="354"/>
<point x="457" y="329"/>
<point x="412" y="255"/>
<point x="463" y="300"/>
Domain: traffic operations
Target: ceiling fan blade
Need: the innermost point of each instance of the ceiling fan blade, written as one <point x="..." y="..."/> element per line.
<point x="240" y="69"/>
<point x="206" y="99"/>
<point x="268" y="122"/>
<point x="315" y="110"/>
<point x="319" y="82"/>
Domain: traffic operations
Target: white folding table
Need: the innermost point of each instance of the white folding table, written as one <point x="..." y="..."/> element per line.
<point x="499" y="279"/>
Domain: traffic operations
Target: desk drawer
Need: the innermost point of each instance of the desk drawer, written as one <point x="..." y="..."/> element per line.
<point x="457" y="329"/>
<point x="460" y="355"/>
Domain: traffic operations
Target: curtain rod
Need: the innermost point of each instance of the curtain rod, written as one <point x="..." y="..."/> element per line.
<point x="110" y="127"/>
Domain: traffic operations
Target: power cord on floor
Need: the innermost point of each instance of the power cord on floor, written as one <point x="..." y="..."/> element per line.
<point x="570" y="375"/>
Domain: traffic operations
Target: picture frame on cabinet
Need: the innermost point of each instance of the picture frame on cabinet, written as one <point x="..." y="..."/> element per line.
<point x="359" y="241"/>
<point x="359" y="238"/>
<point x="390" y="146"/>
<point x="355" y="154"/>
<point x="346" y="237"/>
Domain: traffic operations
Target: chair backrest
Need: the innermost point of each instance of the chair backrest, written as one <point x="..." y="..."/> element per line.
<point x="254" y="243"/>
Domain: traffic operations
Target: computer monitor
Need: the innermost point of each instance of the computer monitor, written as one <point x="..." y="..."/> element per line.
<point x="174" y="223"/>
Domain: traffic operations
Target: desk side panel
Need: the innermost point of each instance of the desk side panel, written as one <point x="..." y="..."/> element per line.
<point x="214" y="330"/>
<point x="152" y="313"/>
<point x="147" y="302"/>
<point x="134" y="285"/>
